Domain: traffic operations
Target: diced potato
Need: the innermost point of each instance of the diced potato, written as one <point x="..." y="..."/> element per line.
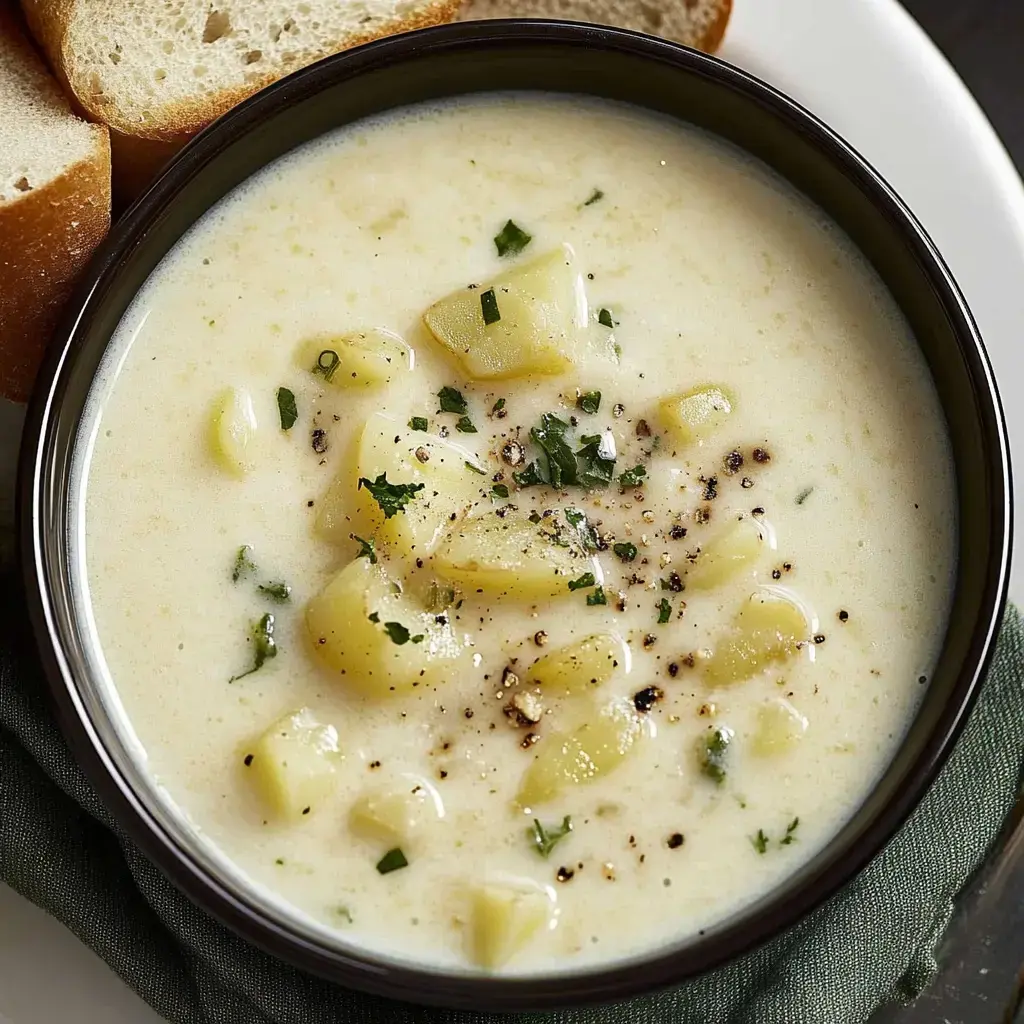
<point x="581" y="666"/>
<point x="780" y="727"/>
<point x="396" y="814"/>
<point x="232" y="431"/>
<point x="508" y="556"/>
<point x="694" y="415"/>
<point x="401" y="648"/>
<point x="731" y="551"/>
<point x="571" y="759"/>
<point x="388" y="446"/>
<point x="503" y="918"/>
<point x="294" y="763"/>
<point x="768" y="629"/>
<point x="358" y="359"/>
<point x="542" y="307"/>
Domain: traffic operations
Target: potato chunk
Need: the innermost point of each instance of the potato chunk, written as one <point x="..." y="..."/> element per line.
<point x="397" y="814"/>
<point x="591" y="750"/>
<point x="694" y="415"/>
<point x="387" y="446"/>
<point x="377" y="639"/>
<point x="232" y="431"/>
<point x="728" y="553"/>
<point x="359" y="359"/>
<point x="582" y="666"/>
<point x="293" y="764"/>
<point x="503" y="918"/>
<point x="531" y="319"/>
<point x="769" y="628"/>
<point x="508" y="556"/>
<point x="780" y="727"/>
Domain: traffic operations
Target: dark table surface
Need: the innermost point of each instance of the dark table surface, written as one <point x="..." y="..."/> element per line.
<point x="981" y="980"/>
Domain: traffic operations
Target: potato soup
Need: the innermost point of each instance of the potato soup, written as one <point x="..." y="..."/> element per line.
<point x="518" y="532"/>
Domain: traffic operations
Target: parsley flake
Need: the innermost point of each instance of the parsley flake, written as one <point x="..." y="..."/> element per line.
<point x="499" y="491"/>
<point x="511" y="240"/>
<point x="397" y="632"/>
<point x="594" y="197"/>
<point x="367" y="548"/>
<point x="714" y="752"/>
<point x="393" y="860"/>
<point x="392" y="498"/>
<point x="465" y="425"/>
<point x="546" y="839"/>
<point x="244" y="565"/>
<point x="597" y="597"/>
<point x="418" y="423"/>
<point x="489" y="307"/>
<point x="286" y="408"/>
<point x="760" y="841"/>
<point x="589" y="402"/>
<point x="790" y="836"/>
<point x="632" y="477"/>
<point x="452" y="401"/>
<point x="582" y="582"/>
<point x="261" y="632"/>
<point x="604" y="318"/>
<point x="626" y="551"/>
<point x="278" y="591"/>
<point x="664" y="612"/>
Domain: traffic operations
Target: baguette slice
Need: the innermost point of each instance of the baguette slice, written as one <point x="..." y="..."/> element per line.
<point x="697" y="23"/>
<point x="54" y="204"/>
<point x="158" y="72"/>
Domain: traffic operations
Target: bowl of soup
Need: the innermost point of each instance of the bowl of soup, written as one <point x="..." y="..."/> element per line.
<point x="517" y="516"/>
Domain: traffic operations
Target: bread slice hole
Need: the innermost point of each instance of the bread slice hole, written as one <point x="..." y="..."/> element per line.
<point x="253" y="56"/>
<point x="218" y="25"/>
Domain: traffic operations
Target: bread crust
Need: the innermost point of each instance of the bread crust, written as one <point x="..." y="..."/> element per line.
<point x="46" y="238"/>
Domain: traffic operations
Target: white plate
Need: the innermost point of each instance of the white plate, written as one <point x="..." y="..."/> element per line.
<point x="866" y="68"/>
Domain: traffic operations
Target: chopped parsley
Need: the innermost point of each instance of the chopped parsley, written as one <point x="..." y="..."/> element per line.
<point x="418" y="423"/>
<point x="243" y="563"/>
<point x="326" y="364"/>
<point x="264" y="647"/>
<point x="286" y="408"/>
<point x="583" y="530"/>
<point x="529" y="476"/>
<point x="592" y="465"/>
<point x="498" y="405"/>
<point x="392" y="498"/>
<point x="596" y="460"/>
<point x="604" y="318"/>
<point x="476" y="469"/>
<point x="373" y="617"/>
<point x="664" y="611"/>
<point x="760" y="841"/>
<point x="582" y="582"/>
<point x="714" y="753"/>
<point x="632" y="477"/>
<point x="546" y="839"/>
<point x="278" y="591"/>
<point x="397" y="632"/>
<point x="465" y="425"/>
<point x="804" y="495"/>
<point x="597" y="597"/>
<point x="589" y="401"/>
<point x="626" y="551"/>
<point x="452" y="401"/>
<point x="561" y="463"/>
<point x="594" y="197"/>
<point x="499" y="491"/>
<point x="489" y="307"/>
<point x="790" y="836"/>
<point x="393" y="860"/>
<point x="511" y="240"/>
<point x="367" y="548"/>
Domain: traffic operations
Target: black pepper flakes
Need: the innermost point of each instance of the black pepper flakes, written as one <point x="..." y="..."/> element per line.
<point x="528" y="740"/>
<point x="649" y="641"/>
<point x="733" y="462"/>
<point x="247" y="760"/>
<point x="761" y="455"/>
<point x="319" y="441"/>
<point x="513" y="453"/>
<point x="819" y="638"/>
<point x="702" y="515"/>
<point x="711" y="488"/>
<point x="675" y="840"/>
<point x="540" y="638"/>
<point x="844" y="615"/>
<point x="673" y="669"/>
<point x="746" y="483"/>
<point x="776" y="574"/>
<point x="677" y="532"/>
<point x="645" y="699"/>
<point x="643" y="429"/>
<point x="565" y="874"/>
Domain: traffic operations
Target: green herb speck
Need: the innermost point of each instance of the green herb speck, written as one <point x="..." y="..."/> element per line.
<point x="393" y="860"/>
<point x="589" y="402"/>
<point x="264" y="647"/>
<point x="626" y="551"/>
<point x="664" y="612"/>
<point x="511" y="240"/>
<point x="760" y="841"/>
<point x="286" y="408"/>
<point x="604" y="318"/>
<point x="367" y="548"/>
<point x="276" y="591"/>
<point x="632" y="477"/>
<point x="392" y="498"/>
<point x="465" y="425"/>
<point x="546" y="839"/>
<point x="597" y="597"/>
<point x="489" y="307"/>
<point x="397" y="632"/>
<point x="594" y="197"/>
<point x="582" y="582"/>
<point x="418" y="423"/>
<point x="499" y="491"/>
<point x="452" y="401"/>
<point x="804" y="495"/>
<point x="244" y="565"/>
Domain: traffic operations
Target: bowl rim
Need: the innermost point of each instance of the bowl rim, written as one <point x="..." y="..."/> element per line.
<point x="366" y="971"/>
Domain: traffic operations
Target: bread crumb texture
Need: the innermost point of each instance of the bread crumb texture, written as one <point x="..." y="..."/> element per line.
<point x="697" y="23"/>
<point x="156" y="68"/>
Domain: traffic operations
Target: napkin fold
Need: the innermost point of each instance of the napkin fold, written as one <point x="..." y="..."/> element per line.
<point x="875" y="941"/>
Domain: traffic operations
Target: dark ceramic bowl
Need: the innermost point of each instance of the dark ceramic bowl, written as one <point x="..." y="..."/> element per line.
<point x="452" y="61"/>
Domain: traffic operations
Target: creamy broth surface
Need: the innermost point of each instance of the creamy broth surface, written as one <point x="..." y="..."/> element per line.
<point x="709" y="269"/>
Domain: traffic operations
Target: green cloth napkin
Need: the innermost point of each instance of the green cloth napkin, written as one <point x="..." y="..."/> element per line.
<point x="873" y="942"/>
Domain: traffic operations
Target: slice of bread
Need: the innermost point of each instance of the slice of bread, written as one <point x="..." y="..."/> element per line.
<point x="697" y="23"/>
<point x="157" y="72"/>
<point x="54" y="204"/>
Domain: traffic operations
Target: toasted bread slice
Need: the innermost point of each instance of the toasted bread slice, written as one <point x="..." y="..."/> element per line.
<point x="156" y="73"/>
<point x="697" y="23"/>
<point x="54" y="204"/>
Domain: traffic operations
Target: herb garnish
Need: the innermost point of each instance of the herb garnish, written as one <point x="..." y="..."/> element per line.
<point x="498" y="405"/>
<point x="243" y="563"/>
<point x="367" y="548"/>
<point x="632" y="477"/>
<point x="278" y="591"/>
<point x="561" y="463"/>
<point x="264" y="646"/>
<point x="465" y="425"/>
<point x="664" y="611"/>
<point x="594" y="197"/>
<point x="326" y="363"/>
<point x="489" y="307"/>
<point x="418" y="423"/>
<point x="626" y="551"/>
<point x="400" y="635"/>
<point x="511" y="240"/>
<point x="475" y="468"/>
<point x="804" y="495"/>
<point x="582" y="582"/>
<point x="597" y="597"/>
<point x="393" y="860"/>
<point x="546" y="839"/>
<point x="713" y="756"/>
<point x="596" y="461"/>
<point x="287" y="408"/>
<point x="452" y="401"/>
<point x="499" y="491"/>
<point x="790" y="836"/>
<point x="589" y="401"/>
<point x="583" y="530"/>
<point x="760" y="841"/>
<point x="391" y="498"/>
<point x="592" y="465"/>
<point x="529" y="476"/>
<point x="373" y="617"/>
<point x="604" y="318"/>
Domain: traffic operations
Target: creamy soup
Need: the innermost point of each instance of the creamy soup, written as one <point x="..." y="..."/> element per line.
<point x="518" y="531"/>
